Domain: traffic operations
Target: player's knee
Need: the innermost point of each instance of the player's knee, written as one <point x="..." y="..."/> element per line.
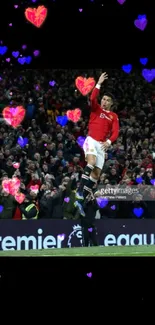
<point x="96" y="173"/>
<point x="91" y="160"/>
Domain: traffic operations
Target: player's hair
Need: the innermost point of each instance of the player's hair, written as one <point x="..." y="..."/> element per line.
<point x="108" y="94"/>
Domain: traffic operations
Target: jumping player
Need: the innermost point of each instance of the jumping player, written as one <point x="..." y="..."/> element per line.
<point x="103" y="129"/>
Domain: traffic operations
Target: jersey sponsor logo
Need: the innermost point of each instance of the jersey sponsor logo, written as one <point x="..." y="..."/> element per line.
<point x="102" y="115"/>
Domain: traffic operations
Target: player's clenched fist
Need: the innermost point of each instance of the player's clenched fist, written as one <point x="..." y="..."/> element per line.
<point x="103" y="77"/>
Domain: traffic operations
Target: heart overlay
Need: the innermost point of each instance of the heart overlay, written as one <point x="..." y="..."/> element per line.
<point x="84" y="85"/>
<point x="36" y="16"/>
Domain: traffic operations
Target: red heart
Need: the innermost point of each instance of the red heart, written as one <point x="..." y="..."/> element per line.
<point x="14" y="115"/>
<point x="20" y="197"/>
<point x="11" y="186"/>
<point x="85" y="85"/>
<point x="36" y="16"/>
<point x="74" y="115"/>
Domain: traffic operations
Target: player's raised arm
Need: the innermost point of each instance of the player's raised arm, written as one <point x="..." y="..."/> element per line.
<point x="96" y="90"/>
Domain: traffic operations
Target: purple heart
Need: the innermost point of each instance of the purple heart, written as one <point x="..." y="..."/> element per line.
<point x="121" y="1"/>
<point x="143" y="61"/>
<point x="1" y="208"/>
<point x="24" y="47"/>
<point x="36" y="53"/>
<point x="139" y="180"/>
<point x="141" y="23"/>
<point x="113" y="207"/>
<point x="61" y="237"/>
<point x="3" y="50"/>
<point x="8" y="60"/>
<point x="10" y="24"/>
<point x="62" y="120"/>
<point x="15" y="54"/>
<point x="90" y="229"/>
<point x="138" y="212"/>
<point x="22" y="60"/>
<point x="152" y="181"/>
<point x="80" y="10"/>
<point x="80" y="141"/>
<point x="148" y="75"/>
<point x="28" y="59"/>
<point x="102" y="202"/>
<point x="52" y="83"/>
<point x="127" y="68"/>
<point x="66" y="199"/>
<point x="15" y="6"/>
<point x="89" y="275"/>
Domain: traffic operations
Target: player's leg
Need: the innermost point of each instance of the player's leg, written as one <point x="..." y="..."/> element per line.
<point x="96" y="172"/>
<point x="84" y="189"/>
<point x="90" y="156"/>
<point x="93" y="236"/>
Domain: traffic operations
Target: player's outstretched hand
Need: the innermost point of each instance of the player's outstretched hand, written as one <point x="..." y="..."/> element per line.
<point x="103" y="77"/>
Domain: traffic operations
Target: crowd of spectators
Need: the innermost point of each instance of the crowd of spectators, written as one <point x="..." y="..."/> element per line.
<point x="53" y="159"/>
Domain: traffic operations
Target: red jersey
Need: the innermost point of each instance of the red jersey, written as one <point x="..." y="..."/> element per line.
<point x="103" y="125"/>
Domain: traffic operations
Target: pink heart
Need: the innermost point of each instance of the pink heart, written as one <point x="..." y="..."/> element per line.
<point x="74" y="115"/>
<point x="14" y="116"/>
<point x="16" y="165"/>
<point x="84" y="85"/>
<point x="34" y="188"/>
<point x="11" y="186"/>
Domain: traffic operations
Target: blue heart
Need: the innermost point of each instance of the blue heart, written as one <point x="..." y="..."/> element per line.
<point x="139" y="180"/>
<point x="22" y="60"/>
<point x="3" y="50"/>
<point x="138" y="212"/>
<point x="28" y="59"/>
<point x="149" y="75"/>
<point x="127" y="68"/>
<point x="1" y="208"/>
<point x="113" y="207"/>
<point x="144" y="61"/>
<point x="22" y="142"/>
<point x="62" y="120"/>
<point x="102" y="202"/>
<point x="15" y="54"/>
<point x="142" y="17"/>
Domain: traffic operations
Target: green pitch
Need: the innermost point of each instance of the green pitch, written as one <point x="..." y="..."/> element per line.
<point x="87" y="251"/>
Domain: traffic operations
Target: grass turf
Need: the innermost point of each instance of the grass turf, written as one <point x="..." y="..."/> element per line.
<point x="86" y="251"/>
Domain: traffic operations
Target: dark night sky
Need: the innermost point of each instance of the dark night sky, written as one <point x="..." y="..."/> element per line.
<point x="105" y="30"/>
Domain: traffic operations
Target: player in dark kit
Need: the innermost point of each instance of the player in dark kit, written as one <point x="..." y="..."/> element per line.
<point x="103" y="129"/>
